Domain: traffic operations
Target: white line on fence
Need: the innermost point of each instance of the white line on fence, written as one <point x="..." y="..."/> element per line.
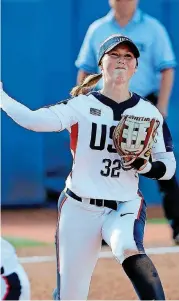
<point x="150" y="251"/>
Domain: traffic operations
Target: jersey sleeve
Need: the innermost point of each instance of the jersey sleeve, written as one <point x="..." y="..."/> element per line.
<point x="163" y="51"/>
<point x="163" y="141"/>
<point x="48" y="119"/>
<point x="67" y="112"/>
<point x="163" y="163"/>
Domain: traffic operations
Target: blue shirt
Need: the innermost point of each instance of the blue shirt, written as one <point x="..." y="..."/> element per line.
<point x="151" y="38"/>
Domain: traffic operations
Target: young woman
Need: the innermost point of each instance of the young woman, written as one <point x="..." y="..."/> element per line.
<point x="101" y="200"/>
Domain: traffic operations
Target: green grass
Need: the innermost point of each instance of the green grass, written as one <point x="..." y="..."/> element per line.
<point x="157" y="221"/>
<point x="18" y="242"/>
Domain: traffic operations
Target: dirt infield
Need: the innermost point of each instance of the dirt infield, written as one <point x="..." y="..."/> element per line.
<point x="108" y="281"/>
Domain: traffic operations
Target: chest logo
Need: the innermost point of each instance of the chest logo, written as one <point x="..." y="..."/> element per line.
<point x="96" y="112"/>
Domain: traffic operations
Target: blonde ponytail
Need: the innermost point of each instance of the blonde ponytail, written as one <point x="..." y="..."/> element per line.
<point x="89" y="81"/>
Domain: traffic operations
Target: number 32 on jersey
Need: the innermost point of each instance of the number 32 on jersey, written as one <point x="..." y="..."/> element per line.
<point x="111" y="168"/>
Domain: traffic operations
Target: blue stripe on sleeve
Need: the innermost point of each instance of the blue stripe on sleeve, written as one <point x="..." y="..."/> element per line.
<point x="167" y="138"/>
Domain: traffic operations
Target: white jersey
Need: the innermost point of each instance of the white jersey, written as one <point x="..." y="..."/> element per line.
<point x="91" y="119"/>
<point x="9" y="260"/>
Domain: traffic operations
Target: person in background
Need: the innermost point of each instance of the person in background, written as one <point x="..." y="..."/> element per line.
<point x="153" y="79"/>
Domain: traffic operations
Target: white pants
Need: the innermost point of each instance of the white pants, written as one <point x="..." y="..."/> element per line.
<point x="15" y="286"/>
<point x="80" y="231"/>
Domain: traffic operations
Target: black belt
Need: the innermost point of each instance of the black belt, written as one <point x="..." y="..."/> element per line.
<point x="98" y="202"/>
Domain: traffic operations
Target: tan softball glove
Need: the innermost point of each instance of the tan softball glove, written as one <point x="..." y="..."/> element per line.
<point x="133" y="138"/>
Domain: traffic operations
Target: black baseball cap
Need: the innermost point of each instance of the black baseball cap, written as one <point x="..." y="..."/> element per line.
<point x="113" y="41"/>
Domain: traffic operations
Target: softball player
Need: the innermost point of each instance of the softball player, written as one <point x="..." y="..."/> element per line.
<point x="14" y="281"/>
<point x="101" y="199"/>
<point x="155" y="76"/>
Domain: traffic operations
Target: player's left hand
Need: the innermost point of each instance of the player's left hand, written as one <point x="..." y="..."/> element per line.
<point x="138" y="164"/>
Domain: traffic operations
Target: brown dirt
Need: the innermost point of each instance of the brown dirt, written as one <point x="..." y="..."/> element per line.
<point x="108" y="281"/>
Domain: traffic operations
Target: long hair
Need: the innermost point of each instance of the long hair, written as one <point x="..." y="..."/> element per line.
<point x="89" y="81"/>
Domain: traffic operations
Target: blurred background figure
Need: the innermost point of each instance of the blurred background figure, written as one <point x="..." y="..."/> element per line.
<point x="14" y="281"/>
<point x="153" y="79"/>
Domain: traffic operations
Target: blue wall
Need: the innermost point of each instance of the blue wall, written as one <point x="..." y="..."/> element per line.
<point x="40" y="42"/>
